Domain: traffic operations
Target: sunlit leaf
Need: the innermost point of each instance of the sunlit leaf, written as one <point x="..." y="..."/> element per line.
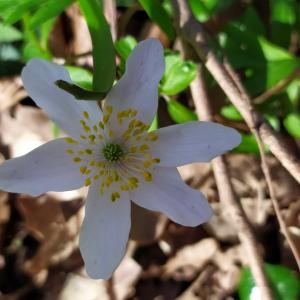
<point x="180" y="113"/>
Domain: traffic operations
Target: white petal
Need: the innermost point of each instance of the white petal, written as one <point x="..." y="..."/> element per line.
<point x="104" y="233"/>
<point x="46" y="168"/>
<point x="170" y="195"/>
<point x="39" y="78"/>
<point x="193" y="142"/>
<point x="138" y="88"/>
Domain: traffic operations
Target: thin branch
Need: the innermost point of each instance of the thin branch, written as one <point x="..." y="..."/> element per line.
<point x="278" y="87"/>
<point x="195" y="35"/>
<point x="228" y="197"/>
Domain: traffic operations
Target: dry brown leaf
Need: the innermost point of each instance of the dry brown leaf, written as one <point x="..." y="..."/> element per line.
<point x="190" y="259"/>
<point x="45" y="219"/>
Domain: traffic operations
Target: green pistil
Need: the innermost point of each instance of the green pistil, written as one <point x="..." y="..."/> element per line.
<point x="112" y="152"/>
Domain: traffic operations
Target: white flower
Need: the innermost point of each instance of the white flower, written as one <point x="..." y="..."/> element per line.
<point x="113" y="153"/>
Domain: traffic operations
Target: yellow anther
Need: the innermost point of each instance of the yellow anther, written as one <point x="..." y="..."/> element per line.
<point x="101" y="125"/>
<point x="133" y="149"/>
<point x="147" y="163"/>
<point x="96" y="177"/>
<point x="133" y="182"/>
<point x="70" y="140"/>
<point x="95" y="128"/>
<point x="86" y="114"/>
<point x="87" y="182"/>
<point x="88" y="171"/>
<point x="114" y="196"/>
<point x="80" y="152"/>
<point x="77" y="159"/>
<point x="147" y="176"/>
<point x="86" y="128"/>
<point x="89" y="151"/>
<point x="108" y="108"/>
<point x="82" y="122"/>
<point x="138" y="137"/>
<point x="70" y="151"/>
<point x="105" y="119"/>
<point x="82" y="169"/>
<point x="124" y="187"/>
<point x="111" y="133"/>
<point x="152" y="136"/>
<point x="92" y="138"/>
<point x="156" y="160"/>
<point x="92" y="163"/>
<point x="144" y="148"/>
<point x="101" y="137"/>
<point x="83" y="137"/>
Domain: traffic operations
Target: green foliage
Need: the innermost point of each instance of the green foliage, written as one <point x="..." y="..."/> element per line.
<point x="180" y="113"/>
<point x="81" y="77"/>
<point x="178" y="74"/>
<point x="49" y="10"/>
<point x="292" y="124"/>
<point x="9" y="34"/>
<point x="285" y="285"/>
<point x="103" y="47"/>
<point x="12" y="11"/>
<point x="267" y="62"/>
<point x="123" y="47"/>
<point x="158" y="14"/>
<point x="204" y="9"/>
<point x="248" y="145"/>
<point x="231" y="113"/>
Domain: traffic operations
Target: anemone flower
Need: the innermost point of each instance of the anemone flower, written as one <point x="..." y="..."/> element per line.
<point x="111" y="151"/>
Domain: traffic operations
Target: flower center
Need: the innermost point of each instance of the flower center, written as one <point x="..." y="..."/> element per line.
<point x="112" y="152"/>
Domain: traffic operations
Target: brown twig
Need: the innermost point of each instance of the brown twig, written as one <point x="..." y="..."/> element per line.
<point x="278" y="87"/>
<point x="195" y="35"/>
<point x="228" y="196"/>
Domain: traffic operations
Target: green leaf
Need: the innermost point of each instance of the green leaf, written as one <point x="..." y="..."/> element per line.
<point x="285" y="285"/>
<point x="78" y="92"/>
<point x="180" y="113"/>
<point x="81" y="77"/>
<point x="124" y="46"/>
<point x="103" y="47"/>
<point x="154" y="124"/>
<point x="158" y="14"/>
<point x="292" y="124"/>
<point x="269" y="63"/>
<point x="178" y="74"/>
<point x="231" y="113"/>
<point x="9" y="34"/>
<point x="49" y="10"/>
<point x="31" y="50"/>
<point x="248" y="145"/>
<point x="13" y="10"/>
<point x="204" y="9"/>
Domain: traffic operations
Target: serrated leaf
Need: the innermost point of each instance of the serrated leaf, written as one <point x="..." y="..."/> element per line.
<point x="292" y="124"/>
<point x="285" y="285"/>
<point x="50" y="9"/>
<point x="158" y="14"/>
<point x="9" y="34"/>
<point x="178" y="74"/>
<point x="180" y="113"/>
